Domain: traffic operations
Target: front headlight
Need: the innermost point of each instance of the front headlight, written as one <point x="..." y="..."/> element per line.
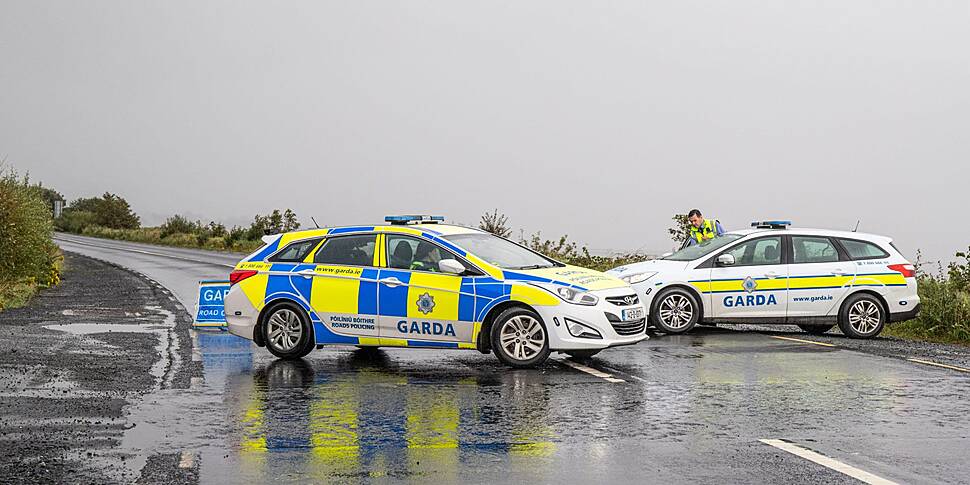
<point x="570" y="295"/>
<point x="638" y="277"/>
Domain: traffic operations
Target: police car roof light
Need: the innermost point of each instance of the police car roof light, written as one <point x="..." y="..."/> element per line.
<point x="414" y="219"/>
<point x="771" y="224"/>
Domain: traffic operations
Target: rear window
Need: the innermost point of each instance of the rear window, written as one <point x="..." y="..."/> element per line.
<point x="295" y="252"/>
<point x="349" y="250"/>
<point x="862" y="249"/>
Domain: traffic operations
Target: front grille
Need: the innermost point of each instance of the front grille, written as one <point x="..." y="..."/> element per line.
<point x="622" y="300"/>
<point x="630" y="328"/>
<point x="626" y="328"/>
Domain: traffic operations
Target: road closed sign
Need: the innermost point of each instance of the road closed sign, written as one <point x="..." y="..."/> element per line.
<point x="210" y="311"/>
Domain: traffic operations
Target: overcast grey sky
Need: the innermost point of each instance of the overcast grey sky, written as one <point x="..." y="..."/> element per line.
<point x="596" y="119"/>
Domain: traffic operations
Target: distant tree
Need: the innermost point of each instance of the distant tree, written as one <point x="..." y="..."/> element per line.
<point x="109" y="210"/>
<point x="289" y="221"/>
<point x="115" y="212"/>
<point x="681" y="229"/>
<point x="495" y="223"/>
<point x="49" y="196"/>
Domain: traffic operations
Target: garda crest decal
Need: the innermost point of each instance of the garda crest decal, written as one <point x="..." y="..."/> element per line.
<point x="425" y="303"/>
<point x="749" y="284"/>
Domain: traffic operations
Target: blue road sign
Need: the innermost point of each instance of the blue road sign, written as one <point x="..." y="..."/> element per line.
<point x="210" y="310"/>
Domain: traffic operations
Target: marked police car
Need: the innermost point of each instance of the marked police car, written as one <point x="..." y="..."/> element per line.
<point x="420" y="283"/>
<point x="775" y="274"/>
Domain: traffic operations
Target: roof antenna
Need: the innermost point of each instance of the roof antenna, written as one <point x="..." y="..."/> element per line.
<point x="856" y="226"/>
<point x="315" y="222"/>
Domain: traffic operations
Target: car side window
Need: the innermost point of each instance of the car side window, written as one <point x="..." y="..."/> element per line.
<point x="862" y="249"/>
<point x="757" y="252"/>
<point x="295" y="252"/>
<point x="813" y="249"/>
<point x="348" y="250"/>
<point x="404" y="252"/>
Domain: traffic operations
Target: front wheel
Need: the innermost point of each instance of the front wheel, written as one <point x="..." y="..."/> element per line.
<point x="676" y="311"/>
<point x="519" y="338"/>
<point x="288" y="332"/>
<point x="862" y="316"/>
<point x="816" y="329"/>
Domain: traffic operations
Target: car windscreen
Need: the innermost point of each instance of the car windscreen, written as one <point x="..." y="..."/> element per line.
<point x="501" y="252"/>
<point x="698" y="251"/>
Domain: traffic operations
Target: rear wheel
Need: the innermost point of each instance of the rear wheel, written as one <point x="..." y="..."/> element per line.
<point x="816" y="329"/>
<point x="862" y="316"/>
<point x="582" y="354"/>
<point x="676" y="311"/>
<point x="519" y="338"/>
<point x="288" y="332"/>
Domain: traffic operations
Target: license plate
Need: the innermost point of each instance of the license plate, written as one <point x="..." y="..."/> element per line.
<point x="632" y="314"/>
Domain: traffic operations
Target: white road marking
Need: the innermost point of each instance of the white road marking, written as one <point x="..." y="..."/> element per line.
<point x="625" y="374"/>
<point x="802" y="341"/>
<point x="829" y="463"/>
<point x="187" y="460"/>
<point x="937" y="364"/>
<point x="591" y="371"/>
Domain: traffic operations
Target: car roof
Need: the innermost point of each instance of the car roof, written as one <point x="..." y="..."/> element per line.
<point x="430" y="229"/>
<point x="805" y="231"/>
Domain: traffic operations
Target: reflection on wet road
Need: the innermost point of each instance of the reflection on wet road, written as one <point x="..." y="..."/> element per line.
<point x="690" y="408"/>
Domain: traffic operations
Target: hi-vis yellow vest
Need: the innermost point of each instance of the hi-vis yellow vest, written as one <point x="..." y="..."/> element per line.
<point x="707" y="231"/>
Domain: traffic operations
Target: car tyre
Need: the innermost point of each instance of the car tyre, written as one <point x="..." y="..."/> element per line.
<point x="287" y="331"/>
<point x="816" y="329"/>
<point x="862" y="316"/>
<point x="675" y="311"/>
<point x="519" y="338"/>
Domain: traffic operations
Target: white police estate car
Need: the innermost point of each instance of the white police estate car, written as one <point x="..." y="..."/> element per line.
<point x="420" y="283"/>
<point x="775" y="274"/>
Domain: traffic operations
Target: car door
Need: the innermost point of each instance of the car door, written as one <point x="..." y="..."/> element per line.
<point x="343" y="295"/>
<point x="819" y="276"/>
<point x="419" y="304"/>
<point x="755" y="286"/>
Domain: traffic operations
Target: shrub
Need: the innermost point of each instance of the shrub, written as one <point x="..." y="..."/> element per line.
<point x="28" y="256"/>
<point x="178" y="224"/>
<point x="944" y="306"/>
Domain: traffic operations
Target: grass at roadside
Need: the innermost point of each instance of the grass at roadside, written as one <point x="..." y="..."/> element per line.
<point x="945" y="311"/>
<point x="156" y="235"/>
<point x="16" y="293"/>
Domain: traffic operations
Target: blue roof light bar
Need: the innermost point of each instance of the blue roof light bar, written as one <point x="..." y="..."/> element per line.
<point x="771" y="224"/>
<point x="414" y="219"/>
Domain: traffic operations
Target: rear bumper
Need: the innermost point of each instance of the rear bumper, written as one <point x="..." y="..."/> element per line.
<point x="906" y="315"/>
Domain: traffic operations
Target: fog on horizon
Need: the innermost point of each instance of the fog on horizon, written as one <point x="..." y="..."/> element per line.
<point x="596" y="120"/>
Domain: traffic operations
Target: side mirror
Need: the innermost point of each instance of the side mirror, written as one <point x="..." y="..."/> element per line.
<point x="726" y="260"/>
<point x="451" y="266"/>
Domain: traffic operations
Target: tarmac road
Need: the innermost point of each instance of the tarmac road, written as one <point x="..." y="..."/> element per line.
<point x="724" y="405"/>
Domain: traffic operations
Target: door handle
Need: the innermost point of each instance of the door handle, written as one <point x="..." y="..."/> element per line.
<point x="391" y="281"/>
<point x="771" y="274"/>
<point x="838" y="271"/>
<point x="307" y="273"/>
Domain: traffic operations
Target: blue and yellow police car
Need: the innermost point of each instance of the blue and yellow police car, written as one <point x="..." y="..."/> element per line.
<point x="417" y="282"/>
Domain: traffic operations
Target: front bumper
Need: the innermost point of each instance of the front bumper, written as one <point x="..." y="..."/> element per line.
<point x="613" y="333"/>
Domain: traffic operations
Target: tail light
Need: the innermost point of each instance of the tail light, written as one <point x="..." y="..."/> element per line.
<point x="240" y="274"/>
<point x="908" y="270"/>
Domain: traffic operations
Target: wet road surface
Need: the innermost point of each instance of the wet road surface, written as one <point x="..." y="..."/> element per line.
<point x="671" y="409"/>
